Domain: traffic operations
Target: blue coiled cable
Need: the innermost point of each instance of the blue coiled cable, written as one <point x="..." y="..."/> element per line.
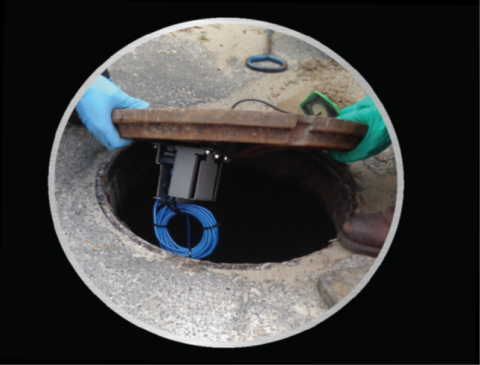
<point x="161" y="217"/>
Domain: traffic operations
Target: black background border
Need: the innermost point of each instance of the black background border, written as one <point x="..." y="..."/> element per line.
<point x="422" y="304"/>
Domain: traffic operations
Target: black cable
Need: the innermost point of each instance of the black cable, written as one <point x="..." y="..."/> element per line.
<point x="261" y="101"/>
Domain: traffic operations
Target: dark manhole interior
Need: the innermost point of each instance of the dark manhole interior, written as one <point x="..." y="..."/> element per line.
<point x="263" y="219"/>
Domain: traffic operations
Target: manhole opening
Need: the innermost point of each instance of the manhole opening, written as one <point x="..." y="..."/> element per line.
<point x="263" y="218"/>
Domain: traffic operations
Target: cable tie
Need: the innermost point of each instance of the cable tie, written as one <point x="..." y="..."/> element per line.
<point x="216" y="225"/>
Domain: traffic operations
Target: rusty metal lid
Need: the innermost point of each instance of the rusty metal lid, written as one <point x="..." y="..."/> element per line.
<point x="239" y="126"/>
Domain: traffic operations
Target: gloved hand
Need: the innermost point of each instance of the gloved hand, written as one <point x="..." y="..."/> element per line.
<point x="95" y="110"/>
<point x="377" y="137"/>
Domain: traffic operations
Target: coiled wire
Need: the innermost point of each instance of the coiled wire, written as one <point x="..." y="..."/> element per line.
<point x="161" y="217"/>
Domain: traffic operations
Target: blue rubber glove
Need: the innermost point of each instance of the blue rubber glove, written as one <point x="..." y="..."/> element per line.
<point x="95" y="110"/>
<point x="377" y="138"/>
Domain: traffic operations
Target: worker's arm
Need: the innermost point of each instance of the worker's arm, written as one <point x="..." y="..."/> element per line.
<point x="96" y="106"/>
<point x="377" y="138"/>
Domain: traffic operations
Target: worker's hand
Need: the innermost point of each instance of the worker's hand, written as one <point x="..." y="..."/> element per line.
<point x="95" y="110"/>
<point x="377" y="137"/>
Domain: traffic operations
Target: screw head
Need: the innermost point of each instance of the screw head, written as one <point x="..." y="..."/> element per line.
<point x="217" y="156"/>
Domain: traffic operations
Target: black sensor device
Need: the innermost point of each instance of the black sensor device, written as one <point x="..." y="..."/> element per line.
<point x="187" y="172"/>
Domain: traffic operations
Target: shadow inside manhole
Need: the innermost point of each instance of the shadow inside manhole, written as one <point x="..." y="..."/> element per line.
<point x="263" y="218"/>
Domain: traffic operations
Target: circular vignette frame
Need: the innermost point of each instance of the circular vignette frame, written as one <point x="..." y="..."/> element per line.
<point x="232" y="21"/>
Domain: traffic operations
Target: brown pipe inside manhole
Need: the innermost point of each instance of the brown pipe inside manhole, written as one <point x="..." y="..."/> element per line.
<point x="273" y="207"/>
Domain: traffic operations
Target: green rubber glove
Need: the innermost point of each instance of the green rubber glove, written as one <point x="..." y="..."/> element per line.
<point x="377" y="137"/>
